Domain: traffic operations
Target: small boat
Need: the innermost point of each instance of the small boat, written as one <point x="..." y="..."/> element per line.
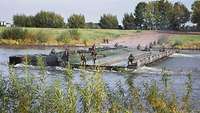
<point x="48" y="60"/>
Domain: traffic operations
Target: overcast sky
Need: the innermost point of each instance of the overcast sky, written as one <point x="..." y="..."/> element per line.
<point x="92" y="9"/>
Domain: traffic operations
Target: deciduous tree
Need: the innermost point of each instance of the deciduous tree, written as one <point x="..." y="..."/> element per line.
<point x="108" y="21"/>
<point x="48" y="19"/>
<point x="129" y="21"/>
<point x="76" y="21"/>
<point x="196" y="13"/>
<point x="140" y="14"/>
<point x="180" y="15"/>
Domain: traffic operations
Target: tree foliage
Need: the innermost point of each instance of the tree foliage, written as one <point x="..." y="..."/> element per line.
<point x="76" y="21"/>
<point x="108" y="21"/>
<point x="129" y="21"/>
<point x="48" y="19"/>
<point x="42" y="19"/>
<point x="23" y="21"/>
<point x="180" y="15"/>
<point x="163" y="13"/>
<point x="196" y="13"/>
<point x="150" y="17"/>
<point x="140" y="14"/>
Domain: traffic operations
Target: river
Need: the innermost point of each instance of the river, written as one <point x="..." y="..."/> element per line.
<point x="178" y="65"/>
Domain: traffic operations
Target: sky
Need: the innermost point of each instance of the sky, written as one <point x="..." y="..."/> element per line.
<point x="92" y="9"/>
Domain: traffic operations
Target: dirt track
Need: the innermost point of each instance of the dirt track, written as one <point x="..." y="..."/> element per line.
<point x="142" y="38"/>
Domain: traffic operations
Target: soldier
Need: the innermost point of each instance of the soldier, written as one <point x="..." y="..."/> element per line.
<point x="138" y="47"/>
<point x="130" y="59"/>
<point x="154" y="43"/>
<point x="53" y="52"/>
<point x="147" y="48"/>
<point x="83" y="59"/>
<point x="107" y="41"/>
<point x="65" y="57"/>
<point x="162" y="49"/>
<point x="94" y="57"/>
<point x="93" y="49"/>
<point x="151" y="45"/>
<point x="116" y="45"/>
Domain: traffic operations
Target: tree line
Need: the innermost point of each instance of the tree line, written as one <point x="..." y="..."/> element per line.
<point x="154" y="15"/>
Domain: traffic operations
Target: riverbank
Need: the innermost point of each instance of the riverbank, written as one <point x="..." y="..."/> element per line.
<point x="58" y="36"/>
<point x="185" y="42"/>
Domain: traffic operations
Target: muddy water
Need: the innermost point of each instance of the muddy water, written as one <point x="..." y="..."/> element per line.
<point x="178" y="65"/>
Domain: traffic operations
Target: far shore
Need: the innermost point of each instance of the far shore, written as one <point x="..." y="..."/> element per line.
<point x="40" y="46"/>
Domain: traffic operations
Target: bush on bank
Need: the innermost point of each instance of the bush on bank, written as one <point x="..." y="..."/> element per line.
<point x="14" y="33"/>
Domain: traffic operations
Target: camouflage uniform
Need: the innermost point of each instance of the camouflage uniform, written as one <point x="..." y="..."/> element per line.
<point x="83" y="60"/>
<point x="130" y="59"/>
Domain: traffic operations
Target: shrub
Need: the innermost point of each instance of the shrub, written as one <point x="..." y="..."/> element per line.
<point x="177" y="43"/>
<point x="41" y="37"/>
<point x="85" y="42"/>
<point x="162" y="40"/>
<point x="74" y="34"/>
<point x="14" y="33"/>
<point x="64" y="37"/>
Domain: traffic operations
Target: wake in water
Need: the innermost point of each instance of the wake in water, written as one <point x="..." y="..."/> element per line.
<point x="151" y="70"/>
<point x="186" y="55"/>
<point x="158" y="71"/>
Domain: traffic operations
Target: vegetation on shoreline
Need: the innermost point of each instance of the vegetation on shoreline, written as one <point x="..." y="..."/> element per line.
<point x="51" y="36"/>
<point x="92" y="95"/>
<point x="185" y="41"/>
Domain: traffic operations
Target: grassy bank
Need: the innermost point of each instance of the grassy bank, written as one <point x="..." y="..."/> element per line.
<point x="185" y="41"/>
<point x="52" y="36"/>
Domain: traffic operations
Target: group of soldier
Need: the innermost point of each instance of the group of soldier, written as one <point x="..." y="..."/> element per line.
<point x="105" y="41"/>
<point x="147" y="47"/>
<point x="63" y="59"/>
<point x="93" y="54"/>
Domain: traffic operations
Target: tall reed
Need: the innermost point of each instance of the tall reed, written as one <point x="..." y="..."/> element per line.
<point x="29" y="94"/>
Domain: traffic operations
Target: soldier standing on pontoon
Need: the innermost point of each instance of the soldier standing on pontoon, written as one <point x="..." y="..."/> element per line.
<point x="138" y="47"/>
<point x="94" y="57"/>
<point x="83" y="60"/>
<point x="130" y="59"/>
<point x="93" y="49"/>
<point x="65" y="57"/>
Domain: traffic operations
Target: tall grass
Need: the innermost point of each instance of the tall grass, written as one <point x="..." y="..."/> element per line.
<point x="92" y="95"/>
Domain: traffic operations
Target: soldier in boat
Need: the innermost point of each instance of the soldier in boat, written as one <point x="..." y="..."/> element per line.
<point x="53" y="52"/>
<point x="130" y="59"/>
<point x="83" y="59"/>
